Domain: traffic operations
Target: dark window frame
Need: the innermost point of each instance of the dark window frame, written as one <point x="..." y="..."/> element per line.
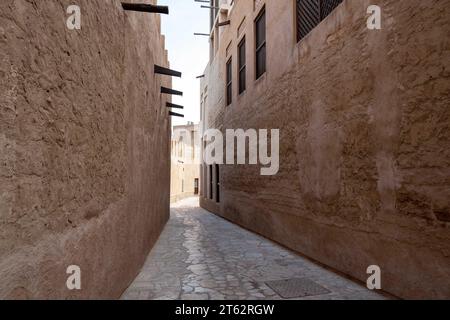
<point x="242" y="66"/>
<point x="217" y="173"/>
<point x="262" y="46"/>
<point x="229" y="81"/>
<point x="313" y="12"/>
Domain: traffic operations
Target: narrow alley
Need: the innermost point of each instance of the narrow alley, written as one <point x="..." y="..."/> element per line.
<point x="200" y="256"/>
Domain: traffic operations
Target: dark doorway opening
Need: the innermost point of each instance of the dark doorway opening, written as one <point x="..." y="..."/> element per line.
<point x="196" y="186"/>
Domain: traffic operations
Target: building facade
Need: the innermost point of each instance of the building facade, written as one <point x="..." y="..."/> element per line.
<point x="84" y="148"/>
<point x="185" y="160"/>
<point x="364" y="133"/>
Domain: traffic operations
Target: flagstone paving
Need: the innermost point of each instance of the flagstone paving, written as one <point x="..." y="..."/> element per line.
<point x="200" y="256"/>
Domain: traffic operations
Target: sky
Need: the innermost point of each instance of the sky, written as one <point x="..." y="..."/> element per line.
<point x="188" y="54"/>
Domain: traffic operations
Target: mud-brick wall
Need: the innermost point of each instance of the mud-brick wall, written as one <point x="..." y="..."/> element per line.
<point x="364" y="119"/>
<point x="84" y="147"/>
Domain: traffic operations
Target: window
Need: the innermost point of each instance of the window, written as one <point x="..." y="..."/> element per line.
<point x="214" y="11"/>
<point x="311" y="12"/>
<point x="217" y="183"/>
<point x="260" y="27"/>
<point x="196" y="186"/>
<point x="204" y="187"/>
<point x="229" y="82"/>
<point x="241" y="28"/>
<point x="242" y="66"/>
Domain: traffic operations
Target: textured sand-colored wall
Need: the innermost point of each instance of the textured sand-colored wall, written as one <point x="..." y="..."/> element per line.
<point x="84" y="147"/>
<point x="364" y="143"/>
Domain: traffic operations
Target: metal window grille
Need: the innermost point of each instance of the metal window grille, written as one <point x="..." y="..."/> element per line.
<point x="311" y="12"/>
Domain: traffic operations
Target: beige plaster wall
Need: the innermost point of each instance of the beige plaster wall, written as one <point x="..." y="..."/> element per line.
<point x="84" y="147"/>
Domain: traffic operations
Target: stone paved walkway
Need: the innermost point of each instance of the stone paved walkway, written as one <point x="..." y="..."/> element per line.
<point x="200" y="256"/>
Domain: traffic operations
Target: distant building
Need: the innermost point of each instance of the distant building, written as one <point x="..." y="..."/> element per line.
<point x="185" y="171"/>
